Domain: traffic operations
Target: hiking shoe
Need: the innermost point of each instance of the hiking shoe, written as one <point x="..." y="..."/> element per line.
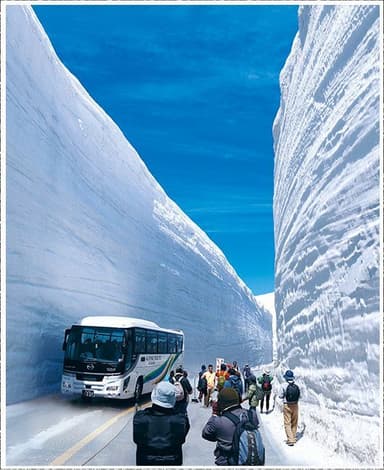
<point x="290" y="444"/>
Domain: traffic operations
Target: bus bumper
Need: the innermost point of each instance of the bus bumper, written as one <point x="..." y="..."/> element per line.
<point x="108" y="388"/>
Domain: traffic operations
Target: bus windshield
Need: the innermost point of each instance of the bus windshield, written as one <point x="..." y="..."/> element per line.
<point x="95" y="343"/>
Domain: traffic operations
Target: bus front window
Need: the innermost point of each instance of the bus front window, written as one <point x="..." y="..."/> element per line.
<point x="96" y="344"/>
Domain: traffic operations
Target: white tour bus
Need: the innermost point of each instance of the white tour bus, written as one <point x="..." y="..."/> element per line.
<point x="118" y="357"/>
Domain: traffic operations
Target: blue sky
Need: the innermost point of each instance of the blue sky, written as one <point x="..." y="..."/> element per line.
<point x="195" y="90"/>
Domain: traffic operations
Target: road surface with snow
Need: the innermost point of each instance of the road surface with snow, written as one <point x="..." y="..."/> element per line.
<point x="56" y="431"/>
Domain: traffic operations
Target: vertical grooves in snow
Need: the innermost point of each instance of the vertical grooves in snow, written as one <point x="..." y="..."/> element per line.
<point x="326" y="212"/>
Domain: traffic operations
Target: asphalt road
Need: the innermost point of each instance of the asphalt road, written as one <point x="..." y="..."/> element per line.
<point x="57" y="431"/>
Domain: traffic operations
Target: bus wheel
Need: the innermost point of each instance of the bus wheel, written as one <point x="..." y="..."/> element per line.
<point x="138" y="389"/>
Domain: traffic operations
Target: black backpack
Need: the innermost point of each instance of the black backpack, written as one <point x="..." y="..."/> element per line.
<point x="292" y="393"/>
<point x="161" y="432"/>
<point x="247" y="444"/>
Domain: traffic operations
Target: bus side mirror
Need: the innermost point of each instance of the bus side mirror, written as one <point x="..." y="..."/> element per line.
<point x="64" y="347"/>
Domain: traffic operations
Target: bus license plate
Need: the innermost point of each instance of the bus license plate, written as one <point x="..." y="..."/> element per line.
<point x="88" y="393"/>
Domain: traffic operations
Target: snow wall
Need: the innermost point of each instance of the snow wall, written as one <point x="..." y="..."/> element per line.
<point x="327" y="223"/>
<point x="90" y="231"/>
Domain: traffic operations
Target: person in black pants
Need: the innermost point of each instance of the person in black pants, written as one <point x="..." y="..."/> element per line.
<point x="265" y="382"/>
<point x="160" y="431"/>
<point x="182" y="377"/>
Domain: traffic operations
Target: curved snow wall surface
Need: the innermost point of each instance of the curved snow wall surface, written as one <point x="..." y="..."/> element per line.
<point x="326" y="212"/>
<point x="90" y="232"/>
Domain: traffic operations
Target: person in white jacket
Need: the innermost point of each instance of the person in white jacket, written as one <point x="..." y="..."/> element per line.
<point x="290" y="394"/>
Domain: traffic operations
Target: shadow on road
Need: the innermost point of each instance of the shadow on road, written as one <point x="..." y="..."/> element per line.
<point x="106" y="402"/>
<point x="300" y="434"/>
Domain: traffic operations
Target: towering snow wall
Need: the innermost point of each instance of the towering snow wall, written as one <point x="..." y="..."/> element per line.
<point x="90" y="232"/>
<point x="326" y="212"/>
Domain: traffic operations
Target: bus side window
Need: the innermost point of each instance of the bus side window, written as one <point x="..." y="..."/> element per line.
<point x="128" y="349"/>
<point x="172" y="343"/>
<point x="140" y="343"/>
<point x="151" y="342"/>
<point x="162" y="343"/>
<point x="179" y="343"/>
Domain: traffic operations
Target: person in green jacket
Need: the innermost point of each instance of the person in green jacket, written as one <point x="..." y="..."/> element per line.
<point x="254" y="392"/>
<point x="265" y="382"/>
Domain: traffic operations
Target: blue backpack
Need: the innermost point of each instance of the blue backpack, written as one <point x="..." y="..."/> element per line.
<point x="247" y="444"/>
<point x="236" y="384"/>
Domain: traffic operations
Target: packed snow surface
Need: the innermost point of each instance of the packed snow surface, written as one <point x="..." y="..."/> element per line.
<point x="327" y="223"/>
<point x="90" y="231"/>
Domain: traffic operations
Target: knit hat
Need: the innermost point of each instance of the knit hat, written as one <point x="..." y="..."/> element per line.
<point x="227" y="397"/>
<point x="289" y="375"/>
<point x="164" y="395"/>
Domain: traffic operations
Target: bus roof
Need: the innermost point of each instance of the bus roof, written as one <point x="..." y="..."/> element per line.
<point x="123" y="322"/>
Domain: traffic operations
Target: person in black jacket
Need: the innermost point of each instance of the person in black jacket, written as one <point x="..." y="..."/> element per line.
<point x="202" y="385"/>
<point x="160" y="431"/>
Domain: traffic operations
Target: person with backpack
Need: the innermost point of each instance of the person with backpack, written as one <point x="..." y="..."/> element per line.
<point x="202" y="384"/>
<point x="235" y="431"/>
<point x="221" y="376"/>
<point x="290" y="394"/>
<point x="246" y="374"/>
<point x="265" y="382"/>
<point x="171" y="378"/>
<point x="255" y="393"/>
<point x="210" y="378"/>
<point x="234" y="381"/>
<point x="184" y="389"/>
<point x="159" y="431"/>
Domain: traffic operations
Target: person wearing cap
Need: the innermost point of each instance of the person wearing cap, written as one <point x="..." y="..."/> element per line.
<point x="220" y="428"/>
<point x="290" y="394"/>
<point x="160" y="431"/>
<point x="265" y="382"/>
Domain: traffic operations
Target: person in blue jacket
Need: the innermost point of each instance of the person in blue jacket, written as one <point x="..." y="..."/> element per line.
<point x="234" y="381"/>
